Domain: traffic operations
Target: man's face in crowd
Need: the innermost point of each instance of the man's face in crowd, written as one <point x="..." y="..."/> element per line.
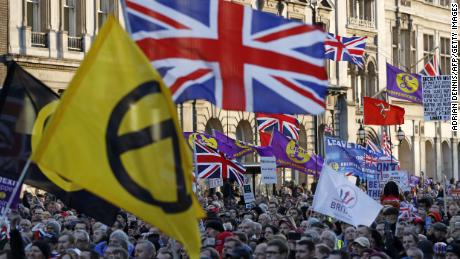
<point x="284" y="228"/>
<point x="98" y="235"/>
<point x="37" y="215"/>
<point x="408" y="242"/>
<point x="264" y="219"/>
<point x="210" y="232"/>
<point x="272" y="208"/>
<point x="363" y="232"/>
<point x="268" y="233"/>
<point x="292" y="213"/>
<point x="80" y="226"/>
<point x="302" y="252"/>
<point x="259" y="252"/>
<point x="248" y="229"/>
<point x="233" y="214"/>
<point x="229" y="246"/>
<point x="35" y="253"/>
<point x="350" y="233"/>
<point x="391" y="218"/>
<point x="141" y="252"/>
<point x="25" y="225"/>
<point x="81" y="242"/>
<point x="64" y="244"/>
<point x="357" y="248"/>
<point x="439" y="234"/>
<point x="381" y="229"/>
<point x="273" y="252"/>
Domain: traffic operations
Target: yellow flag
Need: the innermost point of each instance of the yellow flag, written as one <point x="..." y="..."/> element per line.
<point x="115" y="133"/>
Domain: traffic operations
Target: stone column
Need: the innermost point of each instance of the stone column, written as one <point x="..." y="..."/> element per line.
<point x="438" y="153"/>
<point x="455" y="164"/>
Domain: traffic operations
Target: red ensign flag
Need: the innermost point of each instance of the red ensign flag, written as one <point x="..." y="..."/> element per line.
<point x="378" y="112"/>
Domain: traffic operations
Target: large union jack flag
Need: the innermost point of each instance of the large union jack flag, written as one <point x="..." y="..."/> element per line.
<point x="234" y="57"/>
<point x="432" y="68"/>
<point x="212" y="164"/>
<point x="349" y="49"/>
<point x="287" y="125"/>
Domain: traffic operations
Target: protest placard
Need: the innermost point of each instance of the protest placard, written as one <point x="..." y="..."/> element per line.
<point x="436" y="98"/>
<point x="268" y="170"/>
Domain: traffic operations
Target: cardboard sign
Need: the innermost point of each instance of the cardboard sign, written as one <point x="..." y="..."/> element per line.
<point x="268" y="170"/>
<point x="436" y="98"/>
<point x="455" y="194"/>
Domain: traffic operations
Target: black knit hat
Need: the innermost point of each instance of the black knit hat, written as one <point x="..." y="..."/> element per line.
<point x="214" y="224"/>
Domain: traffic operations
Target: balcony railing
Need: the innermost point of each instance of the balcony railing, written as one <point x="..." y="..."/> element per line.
<point x="361" y="23"/>
<point x="39" y="39"/>
<point x="75" y="43"/>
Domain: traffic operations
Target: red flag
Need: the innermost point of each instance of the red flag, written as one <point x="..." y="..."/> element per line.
<point x="378" y="112"/>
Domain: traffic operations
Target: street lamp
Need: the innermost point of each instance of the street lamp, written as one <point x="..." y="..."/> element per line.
<point x="361" y="134"/>
<point x="400" y="134"/>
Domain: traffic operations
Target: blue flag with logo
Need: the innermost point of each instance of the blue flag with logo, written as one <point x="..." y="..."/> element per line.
<point x="350" y="158"/>
<point x="403" y="85"/>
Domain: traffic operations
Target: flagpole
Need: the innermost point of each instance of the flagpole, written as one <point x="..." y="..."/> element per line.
<point x="125" y="16"/>
<point x="16" y="187"/>
<point x="432" y="52"/>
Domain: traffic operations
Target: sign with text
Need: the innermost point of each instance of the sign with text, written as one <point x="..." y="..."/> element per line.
<point x="268" y="170"/>
<point x="6" y="190"/>
<point x="455" y="194"/>
<point x="399" y="177"/>
<point x="436" y="98"/>
<point x="215" y="182"/>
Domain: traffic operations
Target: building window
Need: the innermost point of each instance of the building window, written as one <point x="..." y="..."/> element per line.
<point x="444" y="50"/>
<point x="444" y="2"/>
<point x="429" y="1"/>
<point x="371" y="83"/>
<point x="105" y="8"/>
<point x="361" y="13"/>
<point x="33" y="15"/>
<point x="428" y="46"/>
<point x="404" y="55"/>
<point x="70" y="21"/>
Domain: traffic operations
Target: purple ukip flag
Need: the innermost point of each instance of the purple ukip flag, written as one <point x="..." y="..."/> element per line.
<point x="7" y="185"/>
<point x="290" y="155"/>
<point x="202" y="138"/>
<point x="403" y="85"/>
<point x="230" y="147"/>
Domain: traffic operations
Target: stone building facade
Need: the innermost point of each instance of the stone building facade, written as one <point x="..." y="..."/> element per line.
<point x="50" y="38"/>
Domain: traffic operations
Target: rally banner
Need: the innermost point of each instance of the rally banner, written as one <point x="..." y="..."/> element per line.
<point x="353" y="158"/>
<point x="268" y="170"/>
<point x="403" y="85"/>
<point x="290" y="155"/>
<point x="376" y="184"/>
<point x="335" y="196"/>
<point x="6" y="191"/>
<point x="436" y="98"/>
<point x="232" y="148"/>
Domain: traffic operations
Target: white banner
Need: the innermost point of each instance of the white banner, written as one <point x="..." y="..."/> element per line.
<point x="436" y="98"/>
<point x="215" y="182"/>
<point x="335" y="196"/>
<point x="399" y="177"/>
<point x="268" y="169"/>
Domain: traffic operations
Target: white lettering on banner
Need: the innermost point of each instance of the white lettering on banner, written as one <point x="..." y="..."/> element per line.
<point x="268" y="170"/>
<point x="437" y="98"/>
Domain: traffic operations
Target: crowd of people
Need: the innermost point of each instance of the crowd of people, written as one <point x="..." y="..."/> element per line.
<point x="414" y="224"/>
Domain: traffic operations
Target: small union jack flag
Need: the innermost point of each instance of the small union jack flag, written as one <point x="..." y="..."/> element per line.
<point x="212" y="164"/>
<point x="287" y="125"/>
<point x="373" y="146"/>
<point x="432" y="68"/>
<point x="386" y="144"/>
<point x="350" y="49"/>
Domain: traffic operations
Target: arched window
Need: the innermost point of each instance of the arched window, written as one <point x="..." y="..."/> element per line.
<point x="244" y="133"/>
<point x="371" y="88"/>
<point x="213" y="123"/>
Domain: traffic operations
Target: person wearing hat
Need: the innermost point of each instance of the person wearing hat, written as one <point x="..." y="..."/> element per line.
<point x="359" y="245"/>
<point x="438" y="233"/>
<point x="453" y="251"/>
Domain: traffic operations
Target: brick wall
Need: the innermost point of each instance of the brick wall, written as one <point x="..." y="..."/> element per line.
<point x="3" y="36"/>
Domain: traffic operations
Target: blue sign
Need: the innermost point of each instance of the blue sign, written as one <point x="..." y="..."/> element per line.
<point x="353" y="158"/>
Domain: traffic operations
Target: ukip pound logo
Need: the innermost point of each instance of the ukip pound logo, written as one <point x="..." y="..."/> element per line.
<point x="202" y="139"/>
<point x="296" y="154"/>
<point x="242" y="144"/>
<point x="407" y="83"/>
<point x="383" y="109"/>
<point x="348" y="196"/>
